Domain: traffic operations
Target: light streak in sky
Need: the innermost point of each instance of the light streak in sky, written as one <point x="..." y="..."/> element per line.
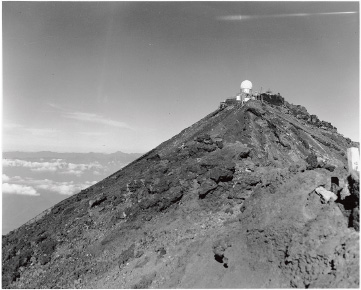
<point x="250" y="17"/>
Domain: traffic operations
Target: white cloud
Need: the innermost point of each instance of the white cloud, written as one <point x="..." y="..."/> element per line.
<point x="31" y="181"/>
<point x="16" y="179"/>
<point x="83" y="166"/>
<point x="66" y="188"/>
<point x="19" y="189"/>
<point x="94" y="118"/>
<point x="14" y="163"/>
<point x="73" y="166"/>
<point x="28" y="186"/>
<point x="55" y="165"/>
<point x="44" y="167"/>
<point x="78" y="169"/>
<point x="34" y="166"/>
<point x="5" y="178"/>
<point x="73" y="172"/>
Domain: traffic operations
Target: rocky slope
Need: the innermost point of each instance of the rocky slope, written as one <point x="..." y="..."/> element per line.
<point x="229" y="202"/>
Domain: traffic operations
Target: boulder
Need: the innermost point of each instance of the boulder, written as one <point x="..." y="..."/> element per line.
<point x="148" y="202"/>
<point x="221" y="174"/>
<point x="277" y="100"/>
<point x="354" y="185"/>
<point x="126" y="255"/>
<point x="326" y="125"/>
<point x="219" y="142"/>
<point x="355" y="219"/>
<point x="354" y="188"/>
<point x="154" y="157"/>
<point x="205" y="138"/>
<point x="159" y="185"/>
<point x="248" y="180"/>
<point x="175" y="194"/>
<point x="206" y="147"/>
<point x="99" y="200"/>
<point x="244" y="153"/>
<point x="134" y="185"/>
<point x="208" y="164"/>
<point x="300" y="111"/>
<point x="312" y="162"/>
<point x="247" y="165"/>
<point x="325" y="194"/>
<point x="314" y="119"/>
<point x="283" y="140"/>
<point x="206" y="187"/>
<point x="330" y="167"/>
<point x="219" y="248"/>
<point x="161" y="252"/>
<point x="238" y="193"/>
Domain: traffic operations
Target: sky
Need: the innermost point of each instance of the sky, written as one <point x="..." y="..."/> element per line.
<point x="126" y="76"/>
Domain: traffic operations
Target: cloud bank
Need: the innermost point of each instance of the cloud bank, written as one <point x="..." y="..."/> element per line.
<point x="5" y="178"/>
<point x="28" y="186"/>
<point x="19" y="189"/>
<point x="66" y="188"/>
<point x="58" y="165"/>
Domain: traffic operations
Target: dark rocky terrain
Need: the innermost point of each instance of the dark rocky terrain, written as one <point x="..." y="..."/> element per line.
<point x="229" y="202"/>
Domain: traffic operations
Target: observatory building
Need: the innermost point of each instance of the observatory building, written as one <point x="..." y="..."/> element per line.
<point x="243" y="96"/>
<point x="246" y="92"/>
<point x="246" y="87"/>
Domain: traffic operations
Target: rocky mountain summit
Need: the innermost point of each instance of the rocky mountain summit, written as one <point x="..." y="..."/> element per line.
<point x="253" y="196"/>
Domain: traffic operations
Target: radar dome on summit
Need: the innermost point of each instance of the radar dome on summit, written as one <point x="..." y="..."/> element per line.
<point x="246" y="86"/>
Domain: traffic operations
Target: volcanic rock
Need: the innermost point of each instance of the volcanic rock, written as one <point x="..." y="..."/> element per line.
<point x="244" y="152"/>
<point x="276" y="100"/>
<point x="325" y="194"/>
<point x="207" y="187"/>
<point x="97" y="201"/>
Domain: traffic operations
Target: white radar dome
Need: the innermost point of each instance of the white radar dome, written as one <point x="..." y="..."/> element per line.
<point x="246" y="85"/>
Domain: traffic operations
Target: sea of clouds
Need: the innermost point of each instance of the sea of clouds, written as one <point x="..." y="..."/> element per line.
<point x="32" y="177"/>
<point x="31" y="186"/>
<point x="59" y="165"/>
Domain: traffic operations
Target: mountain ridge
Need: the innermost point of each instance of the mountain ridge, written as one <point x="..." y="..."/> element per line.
<point x="228" y="202"/>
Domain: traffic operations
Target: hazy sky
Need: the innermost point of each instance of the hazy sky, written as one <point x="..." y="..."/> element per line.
<point x="97" y="76"/>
